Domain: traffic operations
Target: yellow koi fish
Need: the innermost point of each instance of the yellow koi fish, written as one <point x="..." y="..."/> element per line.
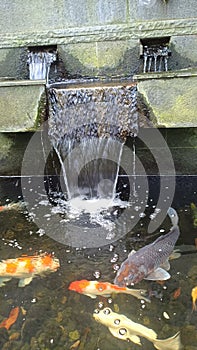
<point x="194" y="298"/>
<point x="94" y="288"/>
<point x="27" y="267"/>
<point x="123" y="328"/>
<point x="194" y="214"/>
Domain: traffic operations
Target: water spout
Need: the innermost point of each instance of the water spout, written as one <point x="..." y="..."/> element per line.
<point x="155" y="57"/>
<point x="40" y="62"/>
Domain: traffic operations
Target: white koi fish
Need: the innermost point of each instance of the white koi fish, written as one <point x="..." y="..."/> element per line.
<point x="123" y="328"/>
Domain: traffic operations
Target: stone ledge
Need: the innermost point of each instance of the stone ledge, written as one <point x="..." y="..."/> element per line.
<point x="171" y="99"/>
<point x="135" y="30"/>
<point x="22" y="105"/>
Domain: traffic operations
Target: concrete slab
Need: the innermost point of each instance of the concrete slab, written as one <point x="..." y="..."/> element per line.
<point x="22" y="105"/>
<point x="170" y="98"/>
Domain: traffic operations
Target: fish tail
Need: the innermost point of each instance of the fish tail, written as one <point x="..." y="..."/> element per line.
<point x="173" y="342"/>
<point x="173" y="216"/>
<point x="138" y="293"/>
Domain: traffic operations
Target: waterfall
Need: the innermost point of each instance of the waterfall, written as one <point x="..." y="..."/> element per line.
<point x="88" y="127"/>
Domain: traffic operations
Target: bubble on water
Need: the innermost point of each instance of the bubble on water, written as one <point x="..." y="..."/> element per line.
<point x="111" y="248"/>
<point x="100" y="304"/>
<point x="114" y="258"/>
<point x="97" y="274"/>
<point x="110" y="301"/>
<point x="137" y="208"/>
<point x="41" y="232"/>
<point x="116" y="267"/>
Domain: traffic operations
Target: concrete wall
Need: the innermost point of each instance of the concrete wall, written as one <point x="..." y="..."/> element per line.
<point x="100" y="38"/>
<point x="95" y="37"/>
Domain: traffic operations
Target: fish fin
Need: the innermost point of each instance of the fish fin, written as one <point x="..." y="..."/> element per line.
<point x="165" y="265"/>
<point x="90" y="295"/>
<point x="158" y="275"/>
<point x="175" y="254"/>
<point x="24" y="281"/>
<point x="3" y="280"/>
<point x="173" y="342"/>
<point x="138" y="293"/>
<point x="131" y="253"/>
<point x="135" y="339"/>
<point x="173" y="216"/>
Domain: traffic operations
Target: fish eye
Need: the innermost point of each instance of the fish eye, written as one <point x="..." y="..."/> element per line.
<point x="116" y="321"/>
<point x="100" y="289"/>
<point x="107" y="311"/>
<point x="122" y="331"/>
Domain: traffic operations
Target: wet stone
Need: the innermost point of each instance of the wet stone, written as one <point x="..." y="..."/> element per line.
<point x="12" y="345"/>
<point x="3" y="336"/>
<point x="30" y="328"/>
<point x="189" y="335"/>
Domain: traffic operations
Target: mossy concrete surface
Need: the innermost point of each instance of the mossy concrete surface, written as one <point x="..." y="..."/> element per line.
<point x="170" y="102"/>
<point x="22" y="105"/>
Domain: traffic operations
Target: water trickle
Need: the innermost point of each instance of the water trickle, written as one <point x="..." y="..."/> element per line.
<point x="155" y="58"/>
<point x="40" y="63"/>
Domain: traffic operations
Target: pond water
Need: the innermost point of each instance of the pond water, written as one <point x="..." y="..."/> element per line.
<point x="52" y="317"/>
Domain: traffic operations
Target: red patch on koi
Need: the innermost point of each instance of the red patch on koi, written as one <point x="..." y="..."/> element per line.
<point x="47" y="259"/>
<point x="29" y="266"/>
<point x="11" y="267"/>
<point x="100" y="286"/>
<point x="79" y="286"/>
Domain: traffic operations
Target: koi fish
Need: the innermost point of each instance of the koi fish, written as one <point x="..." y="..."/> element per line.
<point x="194" y="298"/>
<point x="124" y="328"/>
<point x="194" y="214"/>
<point x="150" y="262"/>
<point x="27" y="267"/>
<point x="11" y="318"/>
<point x="12" y="206"/>
<point x="177" y="293"/>
<point x="94" y="288"/>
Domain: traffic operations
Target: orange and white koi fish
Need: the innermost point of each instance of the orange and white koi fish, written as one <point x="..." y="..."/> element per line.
<point x="194" y="298"/>
<point x="27" y="267"/>
<point x="12" y="206"/>
<point x="94" y="288"/>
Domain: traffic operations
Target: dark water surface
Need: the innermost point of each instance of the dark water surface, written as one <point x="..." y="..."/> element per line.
<point x="52" y="317"/>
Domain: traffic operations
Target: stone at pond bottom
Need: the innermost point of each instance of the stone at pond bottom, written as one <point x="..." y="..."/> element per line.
<point x="74" y="335"/>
